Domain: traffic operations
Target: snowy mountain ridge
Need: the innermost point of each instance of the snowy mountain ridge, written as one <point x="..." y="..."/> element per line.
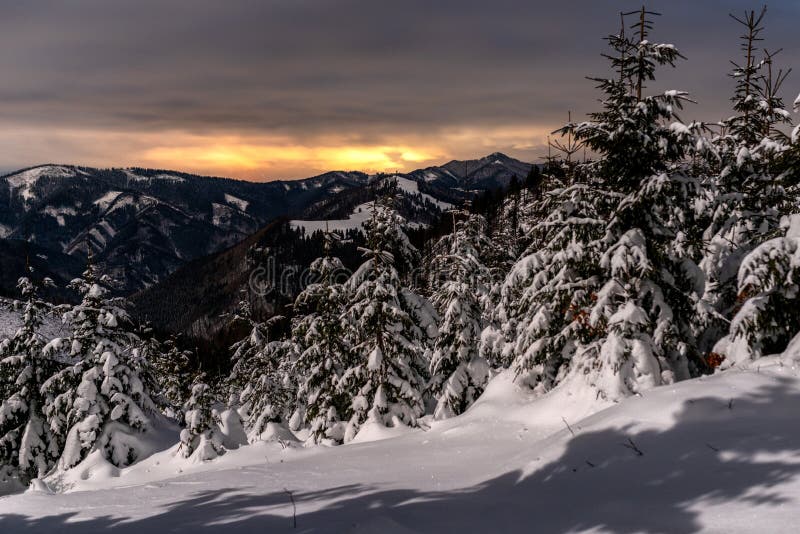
<point x="489" y="172"/>
<point x="162" y="219"/>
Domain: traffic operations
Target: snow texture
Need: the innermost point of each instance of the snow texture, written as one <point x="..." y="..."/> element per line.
<point x="682" y="458"/>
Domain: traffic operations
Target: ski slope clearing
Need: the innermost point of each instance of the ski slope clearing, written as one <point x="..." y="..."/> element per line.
<point x="360" y="215"/>
<point x="412" y="187"/>
<point x="715" y="454"/>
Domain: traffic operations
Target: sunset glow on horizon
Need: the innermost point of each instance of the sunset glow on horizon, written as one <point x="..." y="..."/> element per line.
<point x="260" y="158"/>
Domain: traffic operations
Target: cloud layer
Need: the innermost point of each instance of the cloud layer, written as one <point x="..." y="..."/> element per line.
<point x="276" y="89"/>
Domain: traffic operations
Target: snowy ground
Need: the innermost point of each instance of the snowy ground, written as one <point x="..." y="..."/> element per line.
<point x="717" y="454"/>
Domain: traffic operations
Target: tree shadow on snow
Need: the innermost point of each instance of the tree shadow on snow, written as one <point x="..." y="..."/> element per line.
<point x="617" y="480"/>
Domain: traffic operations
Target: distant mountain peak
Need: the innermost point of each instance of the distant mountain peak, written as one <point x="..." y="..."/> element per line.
<point x="496" y="155"/>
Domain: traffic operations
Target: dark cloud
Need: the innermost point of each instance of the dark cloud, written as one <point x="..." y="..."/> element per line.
<point x="367" y="70"/>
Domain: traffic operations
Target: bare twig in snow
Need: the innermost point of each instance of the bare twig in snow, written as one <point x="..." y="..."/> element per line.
<point x="294" y="507"/>
<point x="568" y="427"/>
<point x="632" y="446"/>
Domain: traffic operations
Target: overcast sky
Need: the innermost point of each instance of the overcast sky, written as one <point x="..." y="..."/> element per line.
<point x="286" y="89"/>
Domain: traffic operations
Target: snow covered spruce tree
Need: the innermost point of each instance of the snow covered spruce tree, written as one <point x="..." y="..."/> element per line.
<point x="613" y="289"/>
<point x="201" y="438"/>
<point x="98" y="402"/>
<point x="172" y="367"/>
<point x="246" y="350"/>
<point x="458" y="372"/>
<point x="269" y="396"/>
<point x="27" y="445"/>
<point x="261" y="379"/>
<point x="749" y="189"/>
<point x="163" y="371"/>
<point x="768" y="318"/>
<point x="143" y="355"/>
<point x="545" y="299"/>
<point x="642" y="314"/>
<point x="769" y="283"/>
<point x="387" y="332"/>
<point x="323" y="352"/>
<point x="164" y="368"/>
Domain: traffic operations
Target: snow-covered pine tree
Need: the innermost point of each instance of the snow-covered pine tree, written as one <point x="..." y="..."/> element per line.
<point x="769" y="283"/>
<point x="165" y="368"/>
<point x="269" y="396"/>
<point x="546" y="298"/>
<point x="458" y="372"/>
<point x="27" y="445"/>
<point x="143" y="355"/>
<point x="174" y="366"/>
<point x="604" y="292"/>
<point x="261" y="377"/>
<point x="98" y="402"/>
<point x="640" y="321"/>
<point x="386" y="379"/>
<point x="769" y="317"/>
<point x="246" y="350"/>
<point x="323" y="354"/>
<point x="201" y="437"/>
<point x="748" y="189"/>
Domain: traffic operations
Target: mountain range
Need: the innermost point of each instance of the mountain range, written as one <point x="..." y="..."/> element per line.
<point x="141" y="225"/>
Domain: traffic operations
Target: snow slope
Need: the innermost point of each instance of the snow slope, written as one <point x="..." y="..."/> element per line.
<point x="363" y="212"/>
<point x="410" y="186"/>
<point x="24" y="181"/>
<point x="360" y="215"/>
<point x="716" y="454"/>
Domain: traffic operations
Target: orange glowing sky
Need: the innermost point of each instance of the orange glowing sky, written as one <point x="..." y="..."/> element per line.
<point x="266" y="157"/>
<point x="263" y="157"/>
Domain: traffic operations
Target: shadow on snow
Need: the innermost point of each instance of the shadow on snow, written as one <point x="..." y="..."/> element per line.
<point x="599" y="482"/>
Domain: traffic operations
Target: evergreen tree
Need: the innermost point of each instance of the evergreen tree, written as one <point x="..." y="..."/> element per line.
<point x="767" y="316"/>
<point x="323" y="352"/>
<point x="458" y="372"/>
<point x="386" y="332"/>
<point x="769" y="281"/>
<point x="748" y="189"/>
<point x="168" y="369"/>
<point x="271" y="391"/>
<point x="546" y="298"/>
<point x="641" y="319"/>
<point x="201" y="437"/>
<point x="98" y="402"/>
<point x="245" y="351"/>
<point x="27" y="444"/>
<point x="261" y="379"/>
<point x="143" y="356"/>
<point x="606" y="291"/>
